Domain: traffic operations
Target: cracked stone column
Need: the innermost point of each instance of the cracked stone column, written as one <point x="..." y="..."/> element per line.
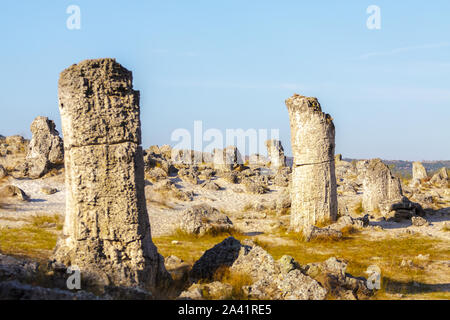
<point x="107" y="230"/>
<point x="275" y="154"/>
<point x="313" y="192"/>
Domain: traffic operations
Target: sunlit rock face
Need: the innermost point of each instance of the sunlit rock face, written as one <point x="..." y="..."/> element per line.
<point x="313" y="192"/>
<point x="107" y="230"/>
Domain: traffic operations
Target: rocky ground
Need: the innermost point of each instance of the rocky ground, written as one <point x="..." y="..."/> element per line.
<point x="194" y="209"/>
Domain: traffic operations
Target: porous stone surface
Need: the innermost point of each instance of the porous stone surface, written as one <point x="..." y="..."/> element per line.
<point x="106" y="231"/>
<point x="380" y="188"/>
<point x="275" y="151"/>
<point x="291" y="286"/>
<point x="270" y="279"/>
<point x="313" y="191"/>
<point x="201" y="219"/>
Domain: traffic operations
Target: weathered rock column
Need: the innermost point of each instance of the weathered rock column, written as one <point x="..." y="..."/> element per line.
<point x="418" y="173"/>
<point x="46" y="148"/>
<point x="380" y="188"/>
<point x="275" y="153"/>
<point x="313" y="192"/>
<point x="225" y="159"/>
<point x="107" y="230"/>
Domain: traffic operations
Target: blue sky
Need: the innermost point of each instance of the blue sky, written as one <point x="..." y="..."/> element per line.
<point x="232" y="64"/>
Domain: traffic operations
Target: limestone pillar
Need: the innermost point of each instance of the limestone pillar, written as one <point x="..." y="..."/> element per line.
<point x="107" y="230"/>
<point x="275" y="153"/>
<point x="381" y="188"/>
<point x="418" y="173"/>
<point x="313" y="192"/>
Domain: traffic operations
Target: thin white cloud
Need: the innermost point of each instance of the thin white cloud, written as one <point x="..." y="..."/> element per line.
<point x="404" y="49"/>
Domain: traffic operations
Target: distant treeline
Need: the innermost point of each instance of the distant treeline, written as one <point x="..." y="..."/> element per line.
<point x="401" y="167"/>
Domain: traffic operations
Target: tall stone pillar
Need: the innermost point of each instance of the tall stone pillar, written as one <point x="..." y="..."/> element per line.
<point x="107" y="231"/>
<point x="275" y="153"/>
<point x="313" y="192"/>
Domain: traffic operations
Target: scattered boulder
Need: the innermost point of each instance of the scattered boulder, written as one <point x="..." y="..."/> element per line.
<point x="210" y="185"/>
<point x="288" y="264"/>
<point x="282" y="177"/>
<point x="347" y="220"/>
<point x="11" y="191"/>
<point x="407" y="207"/>
<point x="202" y="219"/>
<point x="251" y="186"/>
<point x="221" y="255"/>
<point x="315" y="233"/>
<point x="3" y="172"/>
<point x="178" y="269"/>
<point x="231" y="177"/>
<point x="332" y="275"/>
<point x="156" y="174"/>
<point x="440" y="178"/>
<point x="419" y="221"/>
<point x="206" y="173"/>
<point x="189" y="175"/>
<point x="291" y="286"/>
<point x="215" y="290"/>
<point x="49" y="190"/>
<point x="254" y="262"/>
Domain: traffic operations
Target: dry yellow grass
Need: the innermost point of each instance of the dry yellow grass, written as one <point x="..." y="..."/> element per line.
<point x="236" y="280"/>
<point x="34" y="240"/>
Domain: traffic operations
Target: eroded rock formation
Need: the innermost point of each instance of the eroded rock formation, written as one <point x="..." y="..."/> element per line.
<point x="313" y="191"/>
<point x="225" y="159"/>
<point x="46" y="147"/>
<point x="380" y="188"/>
<point x="276" y="155"/>
<point x="419" y="173"/>
<point x="107" y="231"/>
